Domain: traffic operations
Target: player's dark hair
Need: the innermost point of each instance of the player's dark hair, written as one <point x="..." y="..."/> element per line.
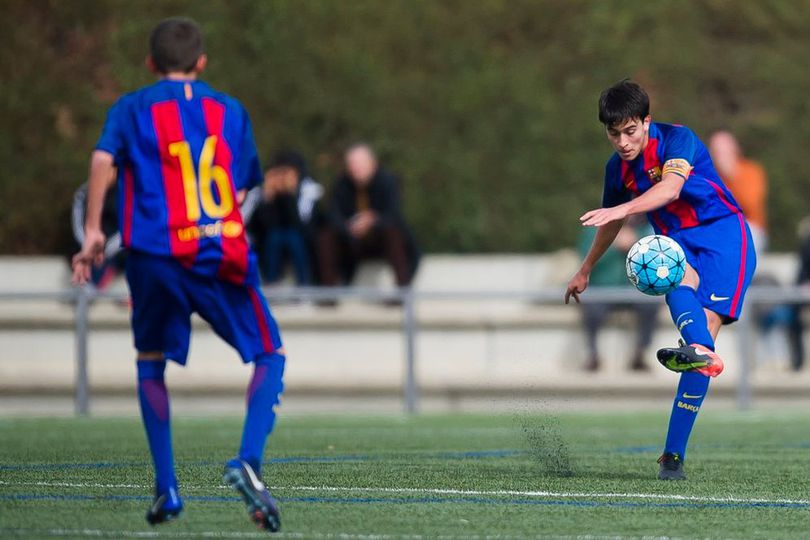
<point x="176" y="44"/>
<point x="623" y="101"/>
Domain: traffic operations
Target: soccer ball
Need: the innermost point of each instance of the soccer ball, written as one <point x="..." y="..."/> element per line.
<point x="656" y="264"/>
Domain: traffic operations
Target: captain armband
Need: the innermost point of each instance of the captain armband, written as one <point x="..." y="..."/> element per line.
<point x="681" y="167"/>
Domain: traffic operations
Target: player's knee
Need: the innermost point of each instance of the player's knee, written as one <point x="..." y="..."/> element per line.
<point x="691" y="278"/>
<point x="151" y="369"/>
<point x="274" y="358"/>
<point x="151" y="356"/>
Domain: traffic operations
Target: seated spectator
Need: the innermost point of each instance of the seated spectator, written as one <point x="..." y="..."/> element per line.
<point x="746" y="180"/>
<point x="114" y="254"/>
<point x="365" y="221"/>
<point x="611" y="271"/>
<point x="796" y="328"/>
<point x="283" y="223"/>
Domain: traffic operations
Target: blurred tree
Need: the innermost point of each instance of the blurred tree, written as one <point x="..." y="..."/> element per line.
<point x="487" y="109"/>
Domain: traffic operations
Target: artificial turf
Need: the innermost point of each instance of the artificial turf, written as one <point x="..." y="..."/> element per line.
<point x="453" y="476"/>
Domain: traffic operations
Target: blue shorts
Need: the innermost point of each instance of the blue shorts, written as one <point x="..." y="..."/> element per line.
<point x="722" y="253"/>
<point x="165" y="294"/>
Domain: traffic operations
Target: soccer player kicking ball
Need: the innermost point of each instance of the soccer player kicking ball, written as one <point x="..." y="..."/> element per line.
<point x="185" y="156"/>
<point x="665" y="171"/>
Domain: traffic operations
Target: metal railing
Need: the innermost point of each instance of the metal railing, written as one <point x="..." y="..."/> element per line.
<point x="84" y="297"/>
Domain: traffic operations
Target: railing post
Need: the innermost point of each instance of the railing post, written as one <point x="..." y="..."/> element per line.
<point x="746" y="344"/>
<point x="82" y="398"/>
<point x="409" y="334"/>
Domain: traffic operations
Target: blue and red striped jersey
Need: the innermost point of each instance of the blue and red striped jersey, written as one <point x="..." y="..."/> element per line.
<point x="183" y="152"/>
<point x="704" y="197"/>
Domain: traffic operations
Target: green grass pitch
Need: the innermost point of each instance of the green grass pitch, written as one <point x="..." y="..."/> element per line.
<point x="570" y="475"/>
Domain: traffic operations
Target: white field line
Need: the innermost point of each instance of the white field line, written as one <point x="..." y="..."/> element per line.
<point x="72" y="485"/>
<point x="108" y="533"/>
<point x="451" y="491"/>
<point x="541" y="494"/>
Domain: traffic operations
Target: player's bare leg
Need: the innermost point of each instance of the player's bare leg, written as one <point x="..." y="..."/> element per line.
<point x="154" y="400"/>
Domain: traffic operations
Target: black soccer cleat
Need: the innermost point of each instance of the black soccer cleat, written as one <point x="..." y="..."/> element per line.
<point x="691" y="358"/>
<point x="670" y="467"/>
<point x="166" y="507"/>
<point x="261" y="507"/>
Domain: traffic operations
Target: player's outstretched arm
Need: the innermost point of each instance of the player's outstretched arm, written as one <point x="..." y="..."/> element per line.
<point x="102" y="176"/>
<point x="661" y="194"/>
<point x="604" y="238"/>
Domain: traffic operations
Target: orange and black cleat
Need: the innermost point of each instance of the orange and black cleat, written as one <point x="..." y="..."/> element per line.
<point x="693" y="357"/>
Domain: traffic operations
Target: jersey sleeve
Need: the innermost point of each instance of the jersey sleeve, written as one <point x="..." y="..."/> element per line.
<point x="112" y="138"/>
<point x="679" y="153"/>
<point x="247" y="170"/>
<point x="614" y="192"/>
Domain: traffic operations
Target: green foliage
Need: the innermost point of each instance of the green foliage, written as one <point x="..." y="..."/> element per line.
<point x="487" y="109"/>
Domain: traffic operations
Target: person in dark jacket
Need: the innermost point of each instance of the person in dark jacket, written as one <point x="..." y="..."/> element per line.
<point x="365" y="221"/>
<point x="283" y="224"/>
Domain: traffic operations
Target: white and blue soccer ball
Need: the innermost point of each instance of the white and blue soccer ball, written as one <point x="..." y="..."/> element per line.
<point x="656" y="264"/>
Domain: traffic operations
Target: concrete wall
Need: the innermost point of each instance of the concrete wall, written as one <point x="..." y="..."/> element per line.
<point x="475" y="346"/>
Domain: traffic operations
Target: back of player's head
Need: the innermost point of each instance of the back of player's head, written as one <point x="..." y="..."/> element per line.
<point x="176" y="44"/>
<point x="623" y="101"/>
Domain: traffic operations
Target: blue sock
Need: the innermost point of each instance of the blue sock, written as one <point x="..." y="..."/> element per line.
<point x="262" y="397"/>
<point x="691" y="392"/>
<point x="154" y="399"/>
<point x="690" y="319"/>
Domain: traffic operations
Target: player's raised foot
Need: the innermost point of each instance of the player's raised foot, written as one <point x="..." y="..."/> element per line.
<point x="166" y="507"/>
<point x="262" y="508"/>
<point x="670" y="467"/>
<point x="691" y="358"/>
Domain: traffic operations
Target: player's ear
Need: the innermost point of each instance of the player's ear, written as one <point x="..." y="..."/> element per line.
<point x="647" y="120"/>
<point x="150" y="64"/>
<point x="202" y="61"/>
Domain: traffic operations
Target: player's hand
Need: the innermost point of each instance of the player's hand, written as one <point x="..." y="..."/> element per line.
<point x="92" y="253"/>
<point x="576" y="286"/>
<point x="602" y="216"/>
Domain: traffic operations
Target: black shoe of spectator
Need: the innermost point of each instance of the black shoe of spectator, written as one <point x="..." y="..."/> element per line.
<point x="638" y="364"/>
<point x="592" y="364"/>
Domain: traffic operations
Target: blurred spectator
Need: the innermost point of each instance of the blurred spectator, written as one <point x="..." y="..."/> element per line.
<point x="114" y="254"/>
<point x="796" y="329"/>
<point x="365" y="221"/>
<point x="747" y="181"/>
<point x="611" y="271"/>
<point x="283" y="223"/>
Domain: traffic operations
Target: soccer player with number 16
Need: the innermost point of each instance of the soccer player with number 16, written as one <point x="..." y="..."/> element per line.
<point x="185" y="157"/>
